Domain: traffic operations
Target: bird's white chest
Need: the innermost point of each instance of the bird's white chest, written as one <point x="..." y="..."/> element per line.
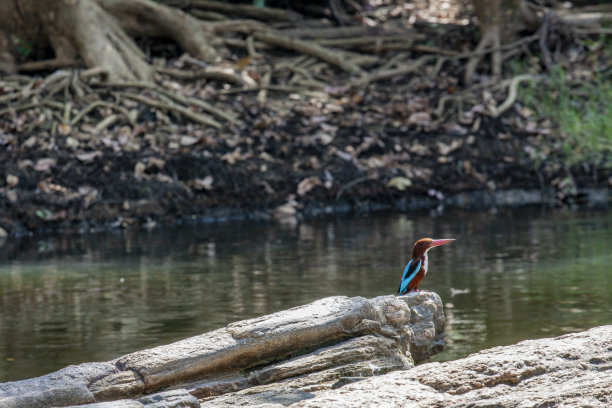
<point x="425" y="263"/>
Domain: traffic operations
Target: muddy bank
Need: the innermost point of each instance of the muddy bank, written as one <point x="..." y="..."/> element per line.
<point x="296" y="157"/>
<point x="301" y="177"/>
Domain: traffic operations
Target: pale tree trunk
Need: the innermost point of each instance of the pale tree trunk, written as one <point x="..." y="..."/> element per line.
<point x="499" y="22"/>
<point x="96" y="32"/>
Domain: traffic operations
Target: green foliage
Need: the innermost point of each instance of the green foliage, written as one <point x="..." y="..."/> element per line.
<point x="23" y="47"/>
<point x="45" y="214"/>
<point x="581" y="112"/>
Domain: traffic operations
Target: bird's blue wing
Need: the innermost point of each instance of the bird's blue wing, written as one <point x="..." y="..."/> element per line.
<point x="409" y="273"/>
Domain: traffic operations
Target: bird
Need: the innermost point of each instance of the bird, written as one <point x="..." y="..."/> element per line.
<point x="416" y="269"/>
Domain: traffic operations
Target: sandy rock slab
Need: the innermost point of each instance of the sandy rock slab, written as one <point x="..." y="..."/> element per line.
<point x="573" y="370"/>
<point x="294" y="352"/>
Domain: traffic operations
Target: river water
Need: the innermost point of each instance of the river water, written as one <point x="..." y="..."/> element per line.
<point x="510" y="275"/>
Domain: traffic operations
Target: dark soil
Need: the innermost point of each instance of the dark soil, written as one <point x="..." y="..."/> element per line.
<point x="336" y="148"/>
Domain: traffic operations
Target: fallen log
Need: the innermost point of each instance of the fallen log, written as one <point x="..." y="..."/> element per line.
<point x="330" y="341"/>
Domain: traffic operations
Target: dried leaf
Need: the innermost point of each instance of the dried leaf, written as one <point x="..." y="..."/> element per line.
<point x="446" y="149"/>
<point x="12" y="180"/>
<point x="400" y="183"/>
<point x="89" y="194"/>
<point x="419" y="149"/>
<point x="526" y="113"/>
<point x="456" y="129"/>
<point x="232" y="158"/>
<point x="375" y="162"/>
<point x="45" y="164"/>
<point x="64" y="129"/>
<point x="266" y="156"/>
<point x="203" y="183"/>
<point x="85" y="190"/>
<point x="188" y="140"/>
<point x="89" y="156"/>
<point x="307" y="184"/>
<point x="30" y="142"/>
<point x="24" y="164"/>
<point x="242" y="63"/>
<point x="163" y="178"/>
<point x="12" y="195"/>
<point x="155" y="163"/>
<point x="139" y="170"/>
<point x="324" y="138"/>
<point x="71" y="142"/>
<point x="419" y="119"/>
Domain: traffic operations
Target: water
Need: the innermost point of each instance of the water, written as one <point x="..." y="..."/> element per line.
<point x="508" y="277"/>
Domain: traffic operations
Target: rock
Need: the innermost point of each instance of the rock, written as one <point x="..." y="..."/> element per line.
<point x="294" y="379"/>
<point x="284" y="356"/>
<point x="170" y="399"/>
<point x="125" y="403"/>
<point x="119" y="385"/>
<point x="385" y="346"/>
<point x="166" y="399"/>
<point x="571" y="370"/>
<point x="252" y="342"/>
<point x="68" y="386"/>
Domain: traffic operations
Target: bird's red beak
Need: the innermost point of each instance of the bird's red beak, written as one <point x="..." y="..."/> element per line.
<point x="438" y="242"/>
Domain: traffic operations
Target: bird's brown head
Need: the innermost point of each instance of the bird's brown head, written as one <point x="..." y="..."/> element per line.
<point x="425" y="244"/>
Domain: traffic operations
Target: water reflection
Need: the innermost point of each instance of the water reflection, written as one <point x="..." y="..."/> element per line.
<point x="509" y="276"/>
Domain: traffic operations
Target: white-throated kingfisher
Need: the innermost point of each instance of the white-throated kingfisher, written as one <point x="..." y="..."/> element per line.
<point x="417" y="266"/>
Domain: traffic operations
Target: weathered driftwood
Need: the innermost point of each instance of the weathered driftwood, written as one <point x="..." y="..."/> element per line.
<point x="294" y="352"/>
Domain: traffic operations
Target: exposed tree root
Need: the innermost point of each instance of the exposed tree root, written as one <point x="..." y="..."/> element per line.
<point x="490" y="38"/>
<point x="227" y="75"/>
<point x="234" y="10"/>
<point x="147" y="18"/>
<point x="308" y="48"/>
<point x="94" y="105"/>
<point x="349" y="32"/>
<point x="499" y="21"/>
<point x="168" y="105"/>
<point x="474" y="57"/>
<point x="85" y="30"/>
<point x="70" y="114"/>
<point x="183" y="100"/>
<point x="390" y="73"/>
<point x="512" y="93"/>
